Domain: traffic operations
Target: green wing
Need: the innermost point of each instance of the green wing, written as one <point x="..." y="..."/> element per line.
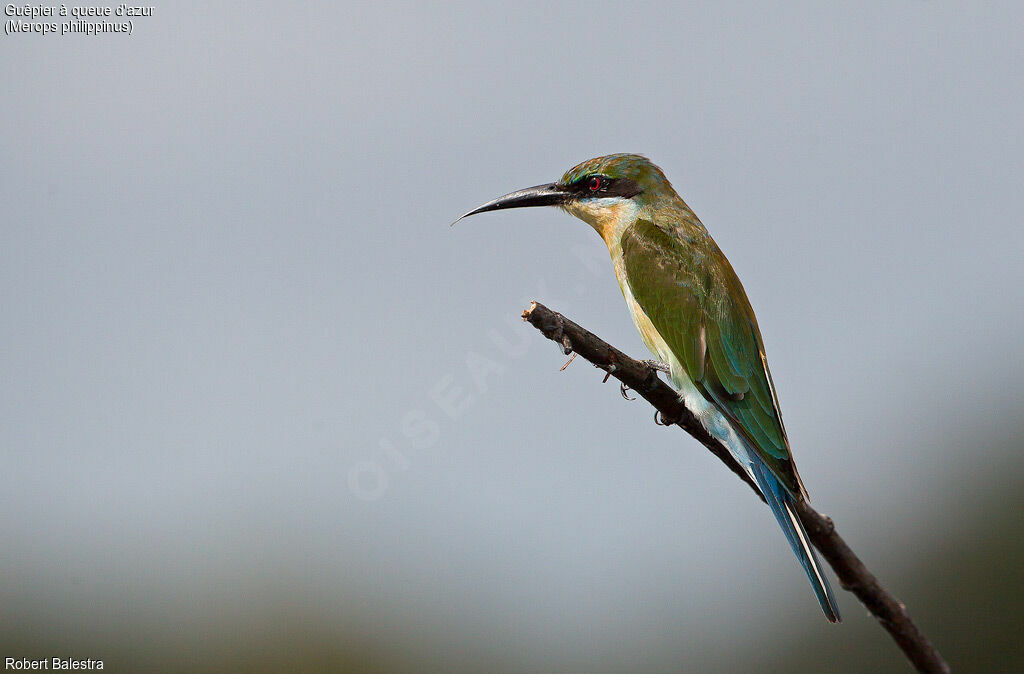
<point x="694" y="299"/>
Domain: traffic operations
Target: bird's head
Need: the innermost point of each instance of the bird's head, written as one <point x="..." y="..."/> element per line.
<point x="602" y="191"/>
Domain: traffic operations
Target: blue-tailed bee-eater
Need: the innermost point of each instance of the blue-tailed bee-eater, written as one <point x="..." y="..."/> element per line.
<point x="693" y="314"/>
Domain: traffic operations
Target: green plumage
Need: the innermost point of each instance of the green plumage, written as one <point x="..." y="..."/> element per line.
<point x="691" y="294"/>
<point x="692" y="311"/>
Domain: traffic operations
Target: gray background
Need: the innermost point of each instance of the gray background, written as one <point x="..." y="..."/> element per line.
<point x="262" y="406"/>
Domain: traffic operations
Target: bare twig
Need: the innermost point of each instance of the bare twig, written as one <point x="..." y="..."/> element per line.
<point x="852" y="573"/>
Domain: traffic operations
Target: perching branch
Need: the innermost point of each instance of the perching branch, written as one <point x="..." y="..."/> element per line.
<point x="852" y="573"/>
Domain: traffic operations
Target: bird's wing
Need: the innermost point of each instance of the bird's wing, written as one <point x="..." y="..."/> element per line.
<point x="696" y="302"/>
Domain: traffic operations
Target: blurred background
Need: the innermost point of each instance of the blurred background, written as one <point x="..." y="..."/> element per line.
<point x="262" y="409"/>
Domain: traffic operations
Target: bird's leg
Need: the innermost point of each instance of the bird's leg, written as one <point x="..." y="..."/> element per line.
<point x="657" y="365"/>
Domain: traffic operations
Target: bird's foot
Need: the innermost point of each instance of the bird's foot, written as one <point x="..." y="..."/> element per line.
<point x="657" y="365"/>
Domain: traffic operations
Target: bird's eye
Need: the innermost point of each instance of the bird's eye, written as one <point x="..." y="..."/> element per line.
<point x="595" y="184"/>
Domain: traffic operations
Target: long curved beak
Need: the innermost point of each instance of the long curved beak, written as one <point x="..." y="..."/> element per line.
<point x="551" y="194"/>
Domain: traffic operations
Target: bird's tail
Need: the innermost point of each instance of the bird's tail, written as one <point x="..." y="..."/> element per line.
<point x="781" y="503"/>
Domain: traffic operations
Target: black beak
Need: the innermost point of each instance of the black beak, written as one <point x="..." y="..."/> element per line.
<point x="552" y="194"/>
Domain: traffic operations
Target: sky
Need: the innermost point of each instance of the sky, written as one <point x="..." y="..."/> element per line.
<point x="243" y="353"/>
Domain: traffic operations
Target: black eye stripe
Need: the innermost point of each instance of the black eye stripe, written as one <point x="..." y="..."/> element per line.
<point x="609" y="187"/>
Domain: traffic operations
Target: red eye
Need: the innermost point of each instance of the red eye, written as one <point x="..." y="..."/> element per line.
<point x="595" y="184"/>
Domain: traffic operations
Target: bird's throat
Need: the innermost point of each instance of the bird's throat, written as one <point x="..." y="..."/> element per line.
<point x="609" y="217"/>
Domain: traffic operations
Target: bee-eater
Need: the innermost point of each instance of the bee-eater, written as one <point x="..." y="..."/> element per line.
<point x="693" y="314"/>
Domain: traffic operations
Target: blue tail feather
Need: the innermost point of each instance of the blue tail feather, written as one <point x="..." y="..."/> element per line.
<point x="781" y="503"/>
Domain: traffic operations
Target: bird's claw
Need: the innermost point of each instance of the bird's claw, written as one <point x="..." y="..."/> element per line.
<point x="623" y="389"/>
<point x="660" y="420"/>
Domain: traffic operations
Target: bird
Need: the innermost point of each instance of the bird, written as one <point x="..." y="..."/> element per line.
<point x="693" y="314"/>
